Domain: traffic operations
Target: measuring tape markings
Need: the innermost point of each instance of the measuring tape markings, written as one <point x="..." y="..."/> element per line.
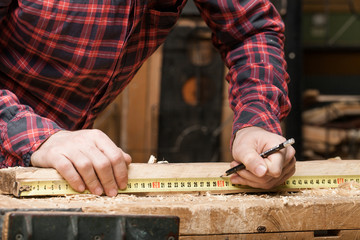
<point x="61" y="187"/>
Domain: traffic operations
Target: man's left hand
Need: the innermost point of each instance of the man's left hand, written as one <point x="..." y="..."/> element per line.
<point x="265" y="173"/>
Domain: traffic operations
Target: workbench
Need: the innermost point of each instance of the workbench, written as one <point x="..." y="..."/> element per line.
<point x="317" y="214"/>
<point x="311" y="214"/>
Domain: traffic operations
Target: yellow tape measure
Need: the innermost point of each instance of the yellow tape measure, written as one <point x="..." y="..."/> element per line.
<point x="61" y="187"/>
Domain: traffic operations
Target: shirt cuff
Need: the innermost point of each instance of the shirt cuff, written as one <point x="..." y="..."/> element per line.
<point x="255" y="115"/>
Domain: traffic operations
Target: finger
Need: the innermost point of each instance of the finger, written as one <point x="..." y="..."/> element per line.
<point x="244" y="176"/>
<point x="120" y="162"/>
<point x="85" y="168"/>
<point x="106" y="145"/>
<point x="291" y="166"/>
<point x="234" y="164"/>
<point x="67" y="170"/>
<point x="289" y="154"/>
<point x="127" y="158"/>
<point x="120" y="168"/>
<point x="275" y="164"/>
<point x="269" y="184"/>
<point x="118" y="158"/>
<point x="277" y="182"/>
<point x="254" y="163"/>
<point x="266" y="182"/>
<point x="248" y="155"/>
<point x="103" y="169"/>
<point x="121" y="176"/>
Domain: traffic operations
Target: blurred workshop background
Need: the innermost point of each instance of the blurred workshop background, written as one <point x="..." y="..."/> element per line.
<point x="176" y="108"/>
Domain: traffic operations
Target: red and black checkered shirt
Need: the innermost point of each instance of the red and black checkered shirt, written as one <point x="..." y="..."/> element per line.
<point x="63" y="61"/>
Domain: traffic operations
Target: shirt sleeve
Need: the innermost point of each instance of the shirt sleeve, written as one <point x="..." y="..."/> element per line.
<point x="22" y="131"/>
<point x="4" y="6"/>
<point x="250" y="37"/>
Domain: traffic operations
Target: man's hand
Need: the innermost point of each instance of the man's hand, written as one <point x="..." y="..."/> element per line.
<point x="86" y="159"/>
<point x="264" y="173"/>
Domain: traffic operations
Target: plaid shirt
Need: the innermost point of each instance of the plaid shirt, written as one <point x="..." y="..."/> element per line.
<point x="63" y="61"/>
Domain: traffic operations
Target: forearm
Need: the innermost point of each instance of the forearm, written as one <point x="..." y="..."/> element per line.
<point x="257" y="78"/>
<point x="21" y="131"/>
<point x="249" y="36"/>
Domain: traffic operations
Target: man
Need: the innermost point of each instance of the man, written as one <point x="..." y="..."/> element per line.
<point x="63" y="61"/>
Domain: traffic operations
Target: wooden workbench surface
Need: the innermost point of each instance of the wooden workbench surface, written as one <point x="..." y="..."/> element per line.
<point x="225" y="214"/>
<point x="307" y="214"/>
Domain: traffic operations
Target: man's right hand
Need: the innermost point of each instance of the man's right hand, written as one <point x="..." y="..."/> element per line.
<point x="86" y="159"/>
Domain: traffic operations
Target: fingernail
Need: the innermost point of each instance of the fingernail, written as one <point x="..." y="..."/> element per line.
<point x="112" y="192"/>
<point x="260" y="171"/>
<point x="98" y="191"/>
<point x="123" y="185"/>
<point x="81" y="188"/>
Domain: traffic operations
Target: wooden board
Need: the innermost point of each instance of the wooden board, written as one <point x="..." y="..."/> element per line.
<point x="308" y="235"/>
<point x="179" y="170"/>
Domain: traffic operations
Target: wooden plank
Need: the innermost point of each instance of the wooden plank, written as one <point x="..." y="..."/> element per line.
<point x="317" y="235"/>
<point x="323" y="139"/>
<point x="179" y="170"/>
<point x="331" y="112"/>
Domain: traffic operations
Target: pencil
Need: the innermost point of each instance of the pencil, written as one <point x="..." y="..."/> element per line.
<point x="264" y="155"/>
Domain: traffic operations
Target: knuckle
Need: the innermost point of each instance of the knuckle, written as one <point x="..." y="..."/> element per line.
<point x="83" y="165"/>
<point x="116" y="156"/>
<point x="52" y="151"/>
<point x="103" y="165"/>
<point x="127" y="158"/>
<point x="63" y="166"/>
<point x="74" y="179"/>
<point x="109" y="182"/>
<point x="122" y="177"/>
<point x="92" y="183"/>
<point x="97" y="132"/>
<point x="291" y="152"/>
<point x="247" y="155"/>
<point x="276" y="173"/>
<point x="246" y="159"/>
<point x="78" y="138"/>
<point x="91" y="149"/>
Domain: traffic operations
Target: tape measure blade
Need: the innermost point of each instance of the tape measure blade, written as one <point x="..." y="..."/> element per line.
<point x="181" y="185"/>
<point x="309" y="182"/>
<point x="44" y="188"/>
